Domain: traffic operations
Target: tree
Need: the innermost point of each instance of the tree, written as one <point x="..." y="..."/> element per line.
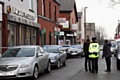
<point x="100" y="34"/>
<point x="114" y="2"/>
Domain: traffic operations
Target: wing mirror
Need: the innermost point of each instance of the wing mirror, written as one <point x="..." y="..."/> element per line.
<point x="0" y="55"/>
<point x="39" y="54"/>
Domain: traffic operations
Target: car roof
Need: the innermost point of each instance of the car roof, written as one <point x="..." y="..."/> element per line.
<point x="25" y="46"/>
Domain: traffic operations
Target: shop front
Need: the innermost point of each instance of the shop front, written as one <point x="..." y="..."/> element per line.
<point x="22" y="27"/>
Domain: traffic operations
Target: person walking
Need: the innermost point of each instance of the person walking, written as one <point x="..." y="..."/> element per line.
<point x="107" y="55"/>
<point x="94" y="49"/>
<point x="86" y="55"/>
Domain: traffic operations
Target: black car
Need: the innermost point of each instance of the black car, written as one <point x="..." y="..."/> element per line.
<point x="118" y="58"/>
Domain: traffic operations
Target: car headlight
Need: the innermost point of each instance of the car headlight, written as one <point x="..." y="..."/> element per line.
<point x="25" y="65"/>
<point x="53" y="58"/>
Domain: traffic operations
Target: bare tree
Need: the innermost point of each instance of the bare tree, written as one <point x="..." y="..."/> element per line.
<point x="114" y="2"/>
<point x="100" y="34"/>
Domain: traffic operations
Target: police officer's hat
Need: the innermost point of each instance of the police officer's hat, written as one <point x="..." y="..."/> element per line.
<point x="94" y="38"/>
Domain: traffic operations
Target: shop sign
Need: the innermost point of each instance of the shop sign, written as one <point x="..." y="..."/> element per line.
<point x="23" y="20"/>
<point x="61" y="33"/>
<point x="65" y="25"/>
<point x="74" y="26"/>
<point x="0" y="12"/>
<point x="56" y="29"/>
<point x="62" y="20"/>
<point x="19" y="12"/>
<point x="69" y="34"/>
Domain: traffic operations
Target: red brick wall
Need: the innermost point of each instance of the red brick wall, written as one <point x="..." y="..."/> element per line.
<point x="47" y="23"/>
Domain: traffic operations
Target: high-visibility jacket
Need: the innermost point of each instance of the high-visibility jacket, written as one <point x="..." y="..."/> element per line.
<point x="94" y="48"/>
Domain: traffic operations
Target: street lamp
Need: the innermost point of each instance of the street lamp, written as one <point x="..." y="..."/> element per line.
<point x="85" y="21"/>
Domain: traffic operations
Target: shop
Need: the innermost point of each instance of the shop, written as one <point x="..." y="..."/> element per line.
<point x="22" y="27"/>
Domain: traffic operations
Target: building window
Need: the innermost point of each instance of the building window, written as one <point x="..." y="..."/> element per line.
<point x="12" y="35"/>
<point x="55" y="13"/>
<point x="43" y="8"/>
<point x="50" y="10"/>
<point x="21" y="35"/>
<point x="31" y="4"/>
<point x="31" y="36"/>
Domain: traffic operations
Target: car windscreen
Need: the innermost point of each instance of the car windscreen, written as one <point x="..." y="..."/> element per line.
<point x="51" y="49"/>
<point x="76" y="46"/>
<point x="19" y="52"/>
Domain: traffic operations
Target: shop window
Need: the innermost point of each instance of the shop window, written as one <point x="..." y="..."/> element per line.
<point x="21" y="35"/>
<point x="12" y="35"/>
<point x="31" y="36"/>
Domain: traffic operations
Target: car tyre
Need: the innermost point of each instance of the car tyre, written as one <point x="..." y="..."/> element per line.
<point x="64" y="64"/>
<point x="48" y="69"/>
<point x="58" y="64"/>
<point x="35" y="72"/>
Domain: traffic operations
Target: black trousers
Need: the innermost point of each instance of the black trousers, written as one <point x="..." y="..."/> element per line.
<point x="87" y="63"/>
<point x="94" y="64"/>
<point x="108" y="63"/>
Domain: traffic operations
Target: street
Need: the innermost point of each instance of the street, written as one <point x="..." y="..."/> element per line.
<point x="75" y="71"/>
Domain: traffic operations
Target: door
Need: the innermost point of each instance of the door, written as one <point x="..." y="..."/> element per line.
<point x="45" y="58"/>
<point x="40" y="59"/>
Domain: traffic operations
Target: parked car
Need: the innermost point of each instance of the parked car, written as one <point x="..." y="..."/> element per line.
<point x="24" y="61"/>
<point x="101" y="47"/>
<point x="57" y="57"/>
<point x="112" y="48"/>
<point x="75" y="50"/>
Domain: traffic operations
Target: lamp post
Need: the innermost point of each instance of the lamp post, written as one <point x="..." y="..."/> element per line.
<point x="85" y="21"/>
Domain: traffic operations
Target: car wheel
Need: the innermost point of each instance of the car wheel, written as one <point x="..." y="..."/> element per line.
<point x="58" y="64"/>
<point x="118" y="64"/>
<point x="48" y="69"/>
<point x="35" y="72"/>
<point x="64" y="64"/>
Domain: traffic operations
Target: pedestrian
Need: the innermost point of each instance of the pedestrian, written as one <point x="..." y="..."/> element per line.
<point x="86" y="55"/>
<point x="107" y="55"/>
<point x="94" y="49"/>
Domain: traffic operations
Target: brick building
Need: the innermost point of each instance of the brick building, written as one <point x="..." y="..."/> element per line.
<point x="68" y="12"/>
<point x="48" y="13"/>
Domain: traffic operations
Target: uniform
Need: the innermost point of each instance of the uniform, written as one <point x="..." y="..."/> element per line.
<point x="94" y="54"/>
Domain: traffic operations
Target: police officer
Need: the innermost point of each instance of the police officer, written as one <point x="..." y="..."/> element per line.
<point x="94" y="54"/>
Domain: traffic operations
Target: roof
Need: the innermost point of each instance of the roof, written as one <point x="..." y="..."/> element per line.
<point x="66" y="5"/>
<point x="25" y="46"/>
<point x="79" y="14"/>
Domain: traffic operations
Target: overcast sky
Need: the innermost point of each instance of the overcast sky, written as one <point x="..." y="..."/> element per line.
<point x="98" y="11"/>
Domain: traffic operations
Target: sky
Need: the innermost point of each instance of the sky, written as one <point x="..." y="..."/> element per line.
<point x="100" y="12"/>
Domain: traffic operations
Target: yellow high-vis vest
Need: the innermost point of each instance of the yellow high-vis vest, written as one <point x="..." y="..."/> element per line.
<point x="94" y="47"/>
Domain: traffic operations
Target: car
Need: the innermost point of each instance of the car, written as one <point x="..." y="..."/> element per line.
<point x="76" y="50"/>
<point x="101" y="47"/>
<point x="118" y="58"/>
<point x="57" y="57"/>
<point x="24" y="61"/>
<point x="112" y="48"/>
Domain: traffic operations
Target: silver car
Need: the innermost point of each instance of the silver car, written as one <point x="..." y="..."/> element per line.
<point x="24" y="61"/>
<point x="58" y="57"/>
<point x="75" y="50"/>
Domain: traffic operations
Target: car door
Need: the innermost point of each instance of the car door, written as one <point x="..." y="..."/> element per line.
<point x="62" y="55"/>
<point x="39" y="59"/>
<point x="45" y="57"/>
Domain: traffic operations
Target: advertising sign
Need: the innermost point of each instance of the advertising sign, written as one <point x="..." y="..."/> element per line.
<point x="0" y="12"/>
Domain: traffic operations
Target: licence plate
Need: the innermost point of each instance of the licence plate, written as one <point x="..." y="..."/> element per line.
<point x="7" y="74"/>
<point x="74" y="53"/>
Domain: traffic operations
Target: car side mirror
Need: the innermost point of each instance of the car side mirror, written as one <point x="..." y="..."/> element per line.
<point x="39" y="54"/>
